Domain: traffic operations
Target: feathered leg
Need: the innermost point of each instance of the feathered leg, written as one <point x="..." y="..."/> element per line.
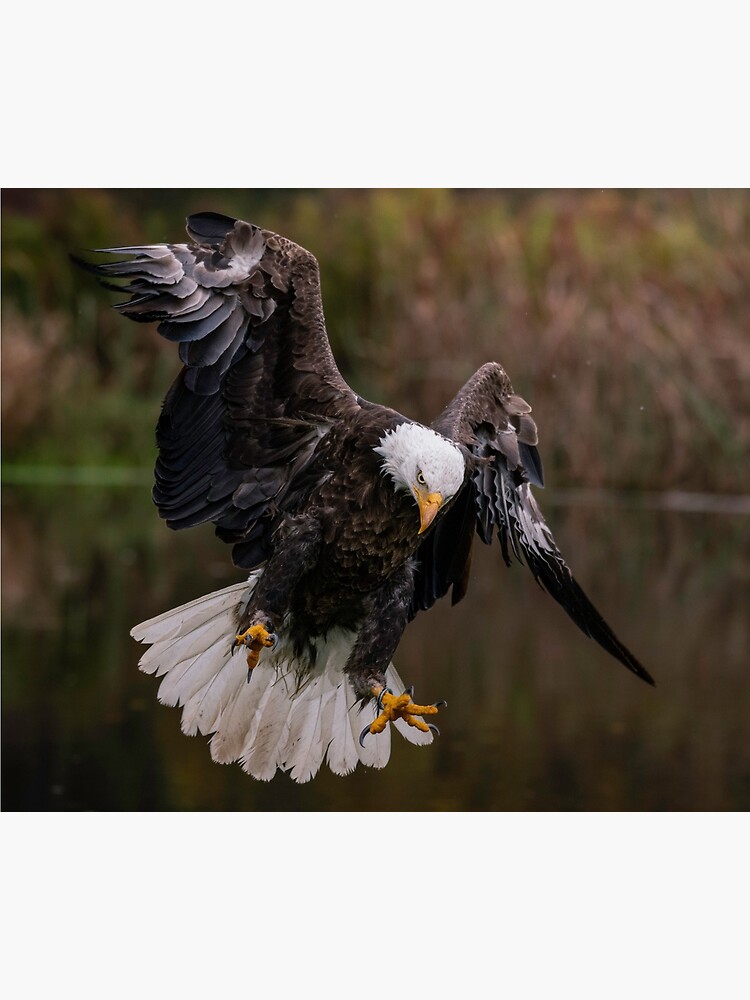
<point x="378" y="638"/>
<point x="272" y="596"/>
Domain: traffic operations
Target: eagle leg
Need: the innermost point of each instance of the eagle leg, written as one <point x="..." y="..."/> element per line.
<point x="256" y="638"/>
<point x="298" y="544"/>
<point x="392" y="707"/>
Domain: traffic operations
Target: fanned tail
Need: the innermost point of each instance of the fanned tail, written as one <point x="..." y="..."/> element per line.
<point x="291" y="716"/>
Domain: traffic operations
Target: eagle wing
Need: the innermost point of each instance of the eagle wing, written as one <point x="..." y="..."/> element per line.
<point x="259" y="388"/>
<point x="494" y="425"/>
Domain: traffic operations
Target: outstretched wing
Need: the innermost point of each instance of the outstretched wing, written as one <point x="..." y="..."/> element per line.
<point x="259" y="388"/>
<point x="495" y="426"/>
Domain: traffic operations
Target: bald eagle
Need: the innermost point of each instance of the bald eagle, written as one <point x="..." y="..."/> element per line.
<point x="349" y="517"/>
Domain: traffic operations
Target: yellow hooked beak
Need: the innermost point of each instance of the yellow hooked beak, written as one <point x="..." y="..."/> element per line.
<point x="429" y="504"/>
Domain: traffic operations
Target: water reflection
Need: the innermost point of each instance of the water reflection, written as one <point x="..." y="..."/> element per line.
<point x="538" y="718"/>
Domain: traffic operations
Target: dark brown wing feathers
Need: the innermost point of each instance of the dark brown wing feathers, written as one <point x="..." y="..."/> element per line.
<point x="444" y="558"/>
<point x="260" y="386"/>
<point x="494" y="424"/>
<point x="487" y="401"/>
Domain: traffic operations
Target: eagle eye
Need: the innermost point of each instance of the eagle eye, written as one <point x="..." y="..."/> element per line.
<point x="420" y="479"/>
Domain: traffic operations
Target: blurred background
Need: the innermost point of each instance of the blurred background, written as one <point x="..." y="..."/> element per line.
<point x="622" y="316"/>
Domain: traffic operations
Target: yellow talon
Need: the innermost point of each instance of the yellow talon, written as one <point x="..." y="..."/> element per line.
<point x="255" y="638"/>
<point x="400" y="707"/>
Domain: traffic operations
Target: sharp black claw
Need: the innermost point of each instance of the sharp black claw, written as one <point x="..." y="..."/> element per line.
<point x="249" y="674"/>
<point x="440" y="704"/>
<point x="434" y="728"/>
<point x="379" y="702"/>
<point x="410" y="692"/>
<point x="362" y="735"/>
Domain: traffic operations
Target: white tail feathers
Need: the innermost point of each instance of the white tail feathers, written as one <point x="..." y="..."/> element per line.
<point x="286" y="717"/>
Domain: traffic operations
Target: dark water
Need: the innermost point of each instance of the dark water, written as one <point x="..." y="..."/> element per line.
<point x="539" y="718"/>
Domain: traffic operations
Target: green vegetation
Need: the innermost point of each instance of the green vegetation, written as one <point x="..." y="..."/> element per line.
<point x="621" y="316"/>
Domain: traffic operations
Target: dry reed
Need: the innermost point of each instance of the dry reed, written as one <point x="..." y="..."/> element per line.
<point x="621" y="316"/>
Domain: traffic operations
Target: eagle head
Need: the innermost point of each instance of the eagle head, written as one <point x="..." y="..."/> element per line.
<point x="424" y="463"/>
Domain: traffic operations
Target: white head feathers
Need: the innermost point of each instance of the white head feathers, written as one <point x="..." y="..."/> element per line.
<point x="414" y="455"/>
